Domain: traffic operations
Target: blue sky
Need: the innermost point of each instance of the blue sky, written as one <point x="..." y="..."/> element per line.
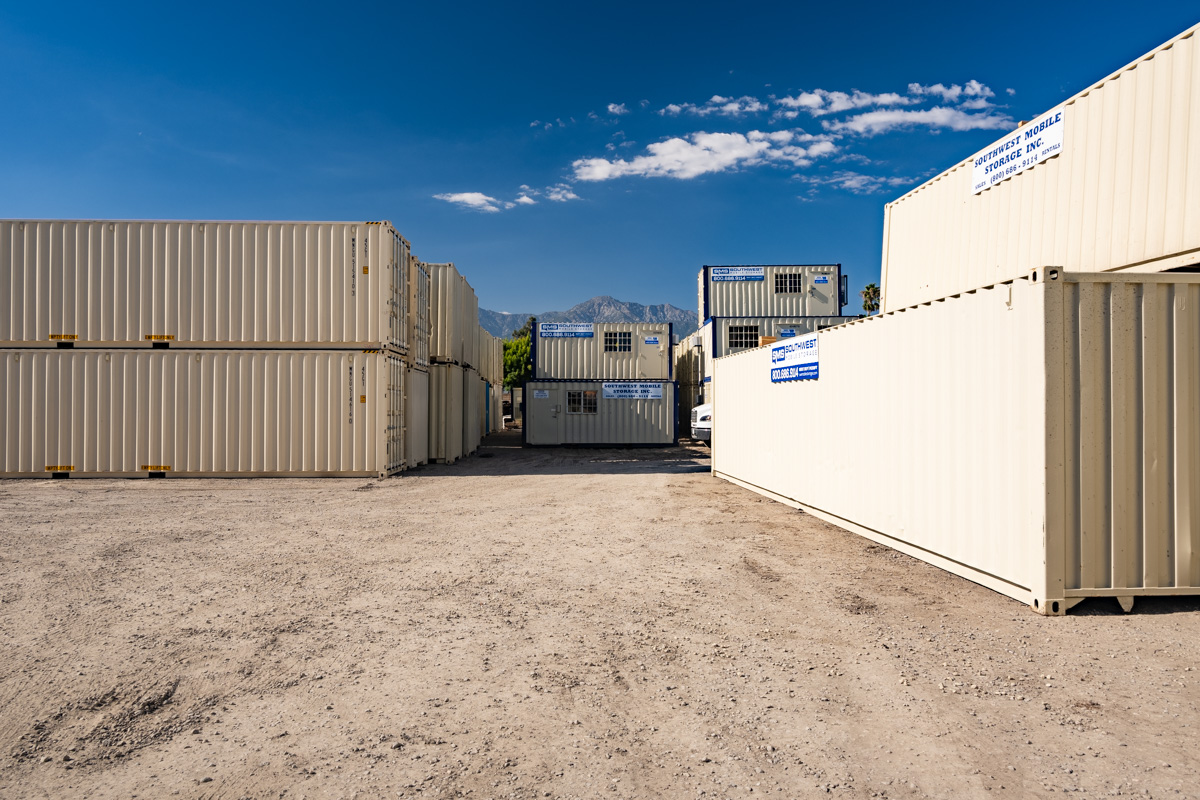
<point x="554" y="151"/>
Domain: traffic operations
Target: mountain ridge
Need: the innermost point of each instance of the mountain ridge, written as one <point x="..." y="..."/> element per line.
<point x="602" y="308"/>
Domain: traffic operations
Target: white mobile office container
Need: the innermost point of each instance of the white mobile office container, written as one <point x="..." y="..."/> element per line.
<point x="455" y="316"/>
<point x="777" y="290"/>
<point x="419" y="315"/>
<point x="472" y="420"/>
<point x="733" y="334"/>
<point x="416" y="417"/>
<point x="617" y="350"/>
<point x="1039" y="437"/>
<point x="234" y="413"/>
<point x="598" y="413"/>
<point x="104" y="283"/>
<point x="445" y="413"/>
<point x="1122" y="192"/>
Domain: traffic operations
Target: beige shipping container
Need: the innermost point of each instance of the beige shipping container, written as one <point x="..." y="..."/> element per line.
<point x="416" y="417"/>
<point x="496" y="409"/>
<point x="1045" y="441"/>
<point x="616" y="350"/>
<point x="1123" y="193"/>
<point x="106" y="283"/>
<point x="455" y="316"/>
<point x="419" y="314"/>
<point x="776" y="290"/>
<point x="445" y="413"/>
<point x="472" y="421"/>
<point x="600" y="413"/>
<point x="227" y="413"/>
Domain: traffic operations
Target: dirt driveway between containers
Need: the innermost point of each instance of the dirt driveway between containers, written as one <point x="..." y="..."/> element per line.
<point x="549" y="623"/>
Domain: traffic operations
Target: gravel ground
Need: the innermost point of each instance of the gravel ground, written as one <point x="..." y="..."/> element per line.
<point x="548" y="623"/>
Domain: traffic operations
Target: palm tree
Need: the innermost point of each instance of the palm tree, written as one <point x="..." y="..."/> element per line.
<point x="870" y="298"/>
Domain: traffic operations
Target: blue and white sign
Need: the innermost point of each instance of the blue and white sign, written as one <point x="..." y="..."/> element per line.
<point x="796" y="359"/>
<point x="650" y="340"/>
<point x="719" y="274"/>
<point x="1020" y="150"/>
<point x="787" y="333"/>
<point x="821" y="279"/>
<point x="566" y="330"/>
<point x="541" y="394"/>
<point x="633" y="391"/>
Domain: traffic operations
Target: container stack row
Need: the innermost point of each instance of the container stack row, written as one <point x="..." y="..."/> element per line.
<point x="743" y="307"/>
<point x="601" y="384"/>
<point x="1024" y="411"/>
<point x="156" y="349"/>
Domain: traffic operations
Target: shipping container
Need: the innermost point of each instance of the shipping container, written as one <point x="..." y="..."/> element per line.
<point x="184" y="413"/>
<point x="1039" y="437"/>
<point x="419" y="315"/>
<point x="416" y="417"/>
<point x="616" y="350"/>
<point x="106" y="283"/>
<point x="455" y="315"/>
<point x="1120" y="191"/>
<point x="472" y="409"/>
<point x="497" y="408"/>
<point x="600" y="413"/>
<point x="445" y="413"/>
<point x="777" y="290"/>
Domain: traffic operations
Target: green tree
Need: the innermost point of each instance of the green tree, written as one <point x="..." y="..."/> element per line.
<point x="525" y="331"/>
<point x="870" y="298"/>
<point x="518" y="367"/>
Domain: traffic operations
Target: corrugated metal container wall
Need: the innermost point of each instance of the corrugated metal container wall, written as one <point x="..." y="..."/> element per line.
<point x="498" y="355"/>
<point x="446" y="337"/>
<point x="1049" y="448"/>
<point x="470" y="325"/>
<point x="550" y="421"/>
<point x="799" y="290"/>
<point x="203" y="284"/>
<point x="690" y="373"/>
<point x="416" y="418"/>
<point x="419" y="316"/>
<point x="201" y="412"/>
<point x="497" y="408"/>
<point x="1123" y="193"/>
<point x="729" y="332"/>
<point x="472" y="410"/>
<point x="598" y="353"/>
<point x="445" y="412"/>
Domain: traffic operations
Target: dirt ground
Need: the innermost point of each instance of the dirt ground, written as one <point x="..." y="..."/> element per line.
<point x="561" y="623"/>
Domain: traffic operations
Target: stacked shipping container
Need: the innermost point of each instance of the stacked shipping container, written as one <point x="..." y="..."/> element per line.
<point x="148" y="348"/>
<point x="1036" y="425"/>
<point x="601" y="384"/>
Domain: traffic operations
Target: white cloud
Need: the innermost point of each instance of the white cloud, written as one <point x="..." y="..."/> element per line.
<point x="856" y="182"/>
<point x="820" y="102"/>
<point x="617" y="109"/>
<point x="702" y="153"/>
<point x="476" y="201"/>
<point x="718" y="105"/>
<point x="525" y="200"/>
<point x="872" y="123"/>
<point x="560" y="193"/>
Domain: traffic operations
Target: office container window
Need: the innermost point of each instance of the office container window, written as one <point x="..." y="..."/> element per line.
<point x="618" y="342"/>
<point x="788" y="283"/>
<point x="581" y="402"/>
<point x="743" y="336"/>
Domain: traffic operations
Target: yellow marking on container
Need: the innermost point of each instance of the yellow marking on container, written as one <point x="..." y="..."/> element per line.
<point x="160" y="337"/>
<point x="362" y="398"/>
<point x="69" y="337"/>
<point x="364" y="269"/>
<point x="60" y="468"/>
<point x="156" y="467"/>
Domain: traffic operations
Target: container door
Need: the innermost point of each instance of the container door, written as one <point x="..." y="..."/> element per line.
<point x="823" y="292"/>
<point x="545" y="406"/>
